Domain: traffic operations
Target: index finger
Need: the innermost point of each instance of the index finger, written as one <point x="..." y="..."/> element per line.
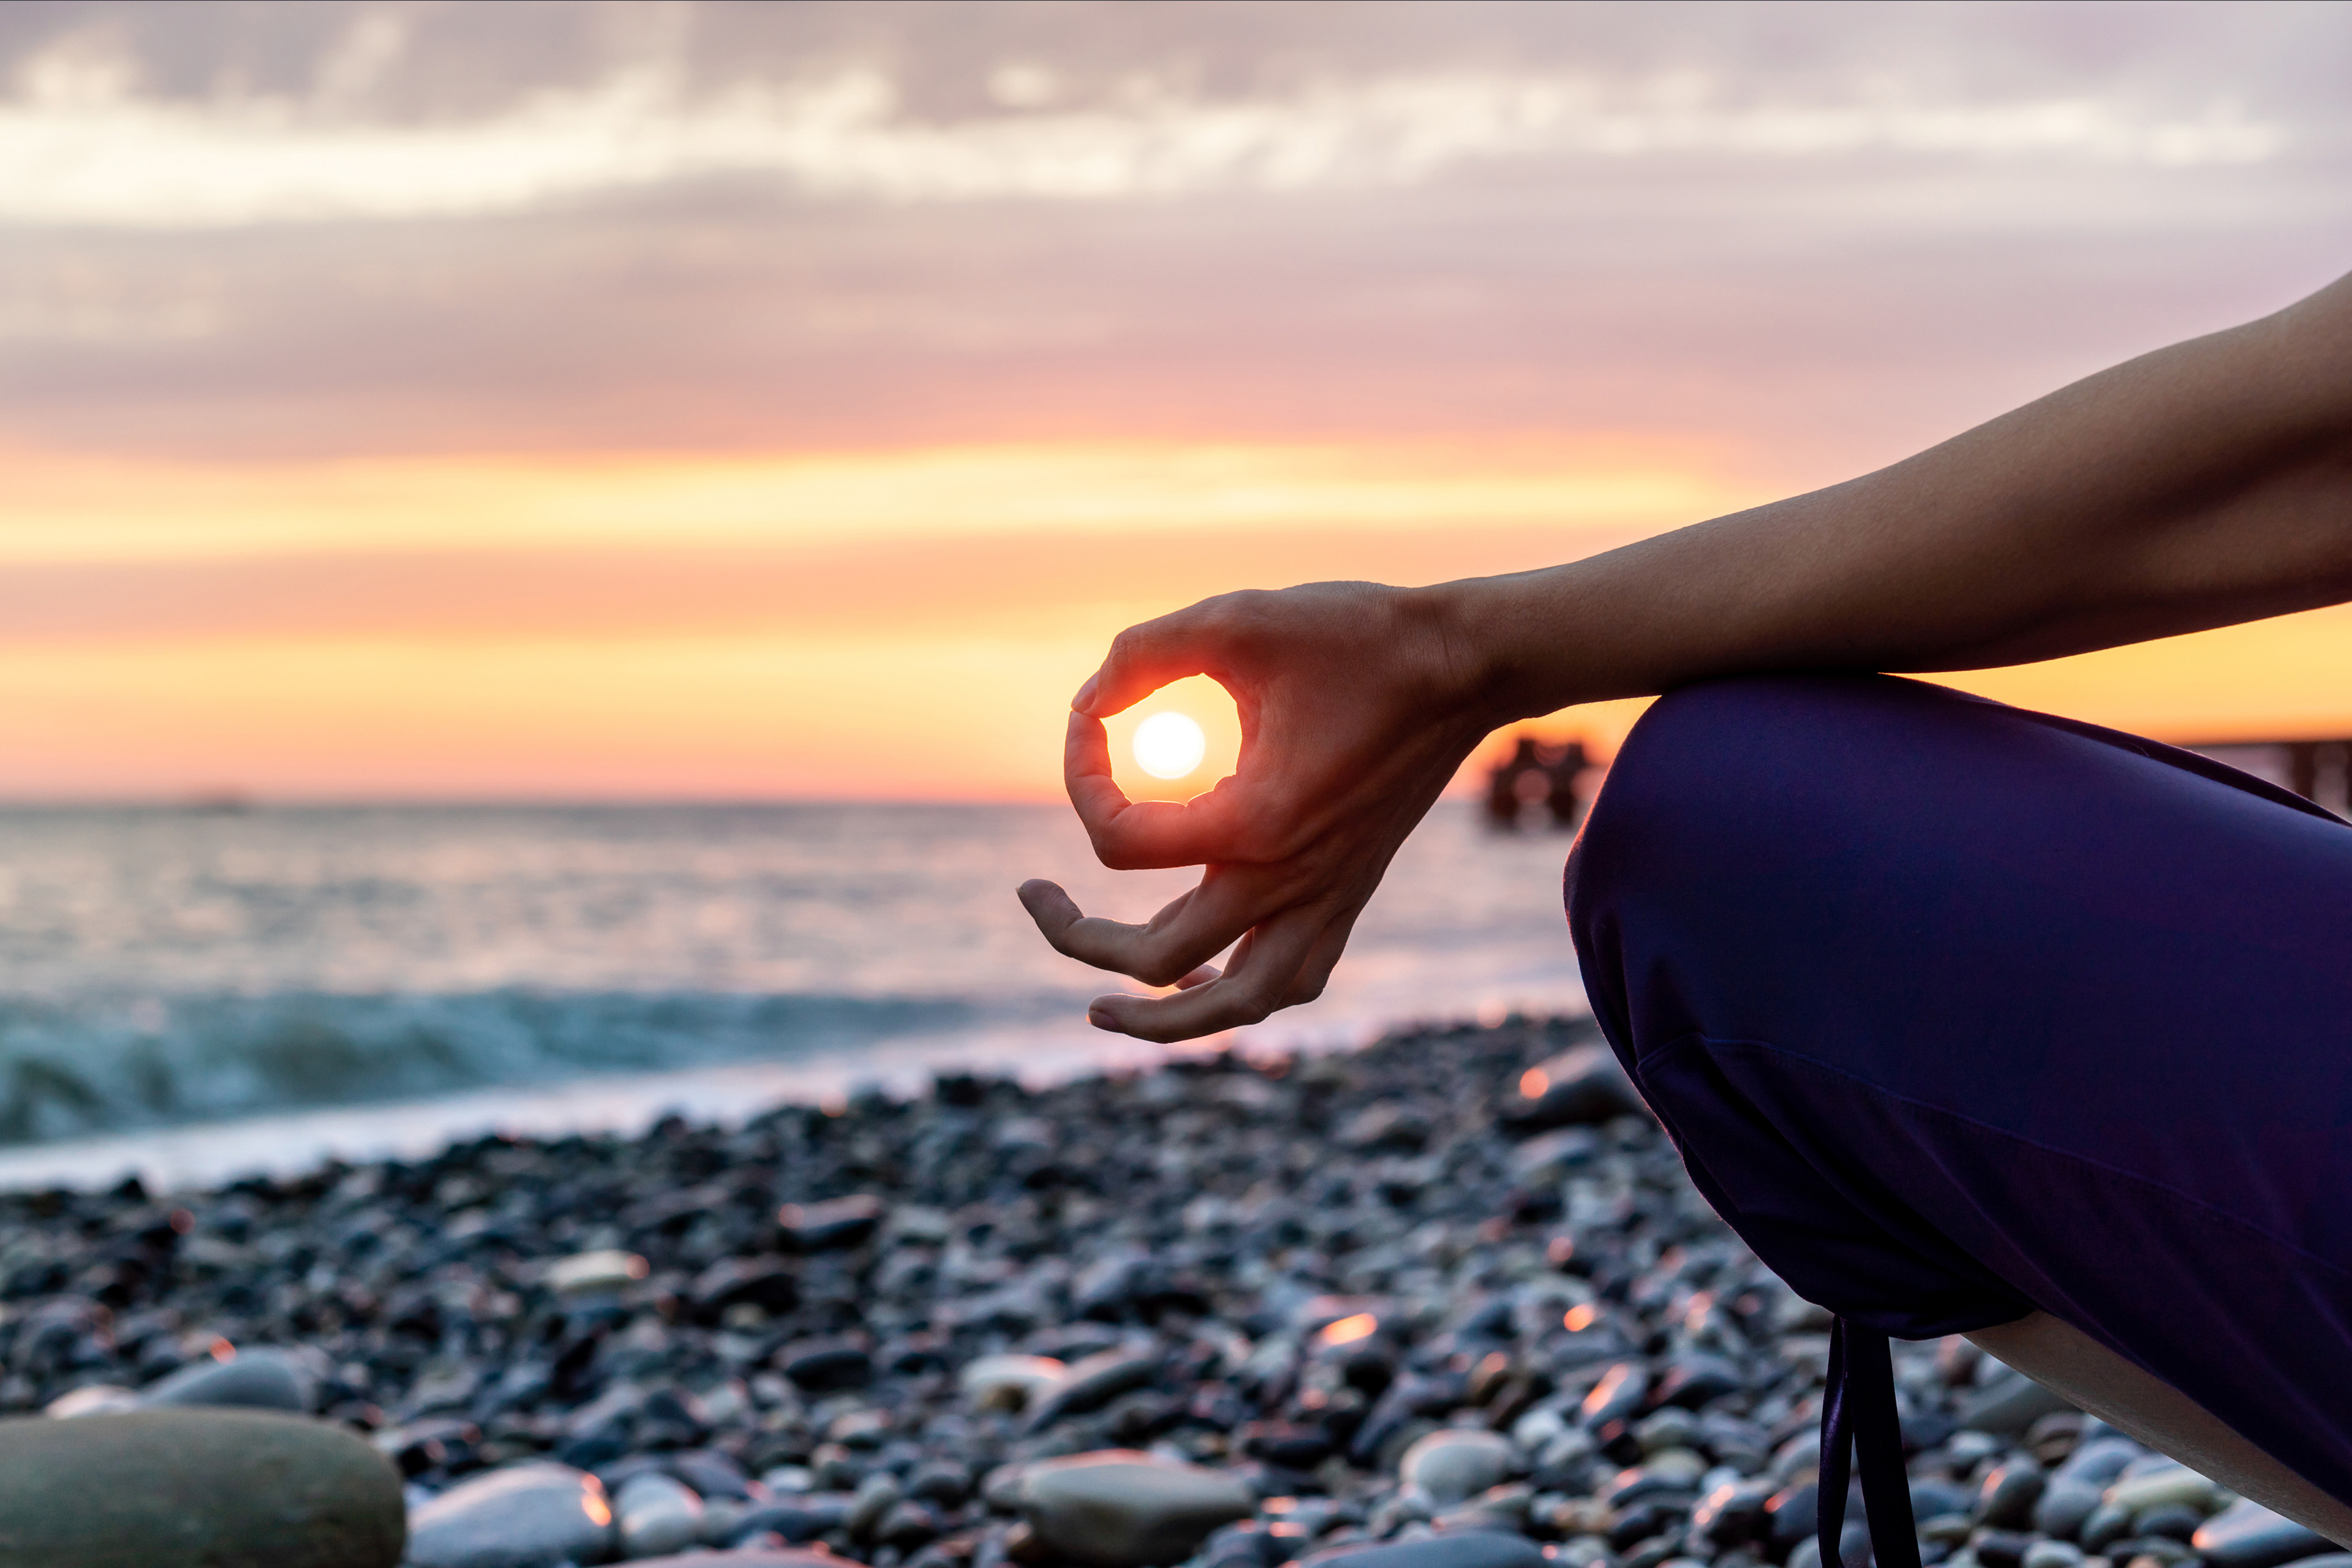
<point x="1132" y="835"/>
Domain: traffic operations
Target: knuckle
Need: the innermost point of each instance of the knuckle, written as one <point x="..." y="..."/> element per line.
<point x="1160" y="971"/>
<point x="1250" y="1006"/>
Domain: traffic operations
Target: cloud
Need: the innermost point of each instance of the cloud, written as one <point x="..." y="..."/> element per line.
<point x="303" y="230"/>
<point x="92" y="140"/>
<point x="84" y="150"/>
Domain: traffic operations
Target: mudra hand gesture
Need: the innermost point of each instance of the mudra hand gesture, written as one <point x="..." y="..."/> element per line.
<point x="1356" y="709"/>
<point x="2194" y="487"/>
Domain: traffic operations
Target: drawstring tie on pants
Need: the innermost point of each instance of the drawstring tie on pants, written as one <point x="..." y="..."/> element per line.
<point x="1858" y="1412"/>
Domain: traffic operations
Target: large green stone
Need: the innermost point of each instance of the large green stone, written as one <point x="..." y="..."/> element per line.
<point x="195" y="1488"/>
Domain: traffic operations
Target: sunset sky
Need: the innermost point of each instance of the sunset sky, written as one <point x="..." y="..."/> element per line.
<point x="567" y="400"/>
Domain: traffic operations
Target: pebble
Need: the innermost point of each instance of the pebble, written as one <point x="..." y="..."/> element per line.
<point x="534" y="1515"/>
<point x="595" y="1273"/>
<point x="872" y="1502"/>
<point x="1454" y="1464"/>
<point x="2009" y="1404"/>
<point x="1009" y="1381"/>
<point x="1464" y="1549"/>
<point x="1584" y="1084"/>
<point x="2065" y="1504"/>
<point x="194" y="1486"/>
<point x="655" y="1514"/>
<point x="2051" y="1554"/>
<point x="842" y="1222"/>
<point x="1092" y="1383"/>
<point x="1119" y="1508"/>
<point x="2136" y="1491"/>
<point x="258" y="1379"/>
<point x="2247" y="1535"/>
<point x="826" y="1365"/>
<point x="2007" y="1497"/>
<point x="92" y="1399"/>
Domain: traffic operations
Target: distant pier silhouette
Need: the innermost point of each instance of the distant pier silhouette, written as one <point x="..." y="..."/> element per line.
<point x="1542" y="785"/>
<point x="2318" y="770"/>
<point x="1539" y="779"/>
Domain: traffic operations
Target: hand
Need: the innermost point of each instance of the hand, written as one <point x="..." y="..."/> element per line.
<point x="1356" y="706"/>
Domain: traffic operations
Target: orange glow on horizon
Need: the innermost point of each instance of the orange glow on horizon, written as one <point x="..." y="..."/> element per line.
<point x="873" y="624"/>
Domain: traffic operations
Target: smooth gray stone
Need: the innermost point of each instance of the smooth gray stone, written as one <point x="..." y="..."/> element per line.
<point x="1583" y="1084"/>
<point x="2051" y="1554"/>
<point x="256" y="1379"/>
<point x="2159" y="1483"/>
<point x="1456" y="1463"/>
<point x="875" y="1499"/>
<point x="2009" y="1404"/>
<point x="656" y="1515"/>
<point x="757" y="1557"/>
<point x="1009" y="1381"/>
<point x="534" y="1515"/>
<point x="2247" y="1535"/>
<point x="92" y="1399"/>
<point x="2065" y="1504"/>
<point x="2006" y="1500"/>
<point x="155" y="1488"/>
<point x="2099" y="1460"/>
<point x="1453" y="1549"/>
<point x="1119" y="1509"/>
<point x="1091" y="1384"/>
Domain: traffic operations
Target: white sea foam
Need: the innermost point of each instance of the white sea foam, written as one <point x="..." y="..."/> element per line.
<point x="189" y="994"/>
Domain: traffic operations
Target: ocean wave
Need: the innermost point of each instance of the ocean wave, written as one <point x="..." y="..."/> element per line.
<point x="69" y="1069"/>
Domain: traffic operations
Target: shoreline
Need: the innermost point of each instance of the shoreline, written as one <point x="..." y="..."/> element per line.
<point x="1454" y="1285"/>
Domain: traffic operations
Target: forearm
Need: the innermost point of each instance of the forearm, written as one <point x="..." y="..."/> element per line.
<point x="2207" y="483"/>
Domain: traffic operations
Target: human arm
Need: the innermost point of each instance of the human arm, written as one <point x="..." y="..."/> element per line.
<point x="2204" y="484"/>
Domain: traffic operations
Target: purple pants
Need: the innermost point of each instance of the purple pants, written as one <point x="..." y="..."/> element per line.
<point x="1956" y="1011"/>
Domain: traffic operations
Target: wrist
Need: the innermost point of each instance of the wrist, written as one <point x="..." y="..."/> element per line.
<point x="1478" y="671"/>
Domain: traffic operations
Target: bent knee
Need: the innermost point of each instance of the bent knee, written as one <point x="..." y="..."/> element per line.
<point x="1728" y="790"/>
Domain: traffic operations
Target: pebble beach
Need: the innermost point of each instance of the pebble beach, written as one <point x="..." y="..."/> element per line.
<point x="1445" y="1301"/>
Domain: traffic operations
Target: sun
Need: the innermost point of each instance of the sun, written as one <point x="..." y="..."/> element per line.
<point x="1169" y="745"/>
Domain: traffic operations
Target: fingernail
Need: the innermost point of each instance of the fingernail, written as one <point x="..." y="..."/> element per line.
<point x="1100" y="1019"/>
<point x="1085" y="695"/>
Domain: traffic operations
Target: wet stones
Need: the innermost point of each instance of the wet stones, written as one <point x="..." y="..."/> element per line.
<point x="257" y="1379"/>
<point x="838" y="1223"/>
<point x="598" y="1273"/>
<point x="2009" y="1404"/>
<point x="1461" y="1549"/>
<point x="1733" y="1513"/>
<point x="654" y="1514"/>
<point x="1585" y="1084"/>
<point x="1092" y="1383"/>
<point x="739" y="1282"/>
<point x="1009" y="1381"/>
<point x="2159" y="1483"/>
<point x="1299" y="1344"/>
<point x="2247" y="1535"/>
<point x="1119" y="1508"/>
<point x="2007" y="1499"/>
<point x="533" y="1515"/>
<point x="2064" y="1505"/>
<point x="1454" y="1464"/>
<point x="194" y="1486"/>
<point x="826" y="1365"/>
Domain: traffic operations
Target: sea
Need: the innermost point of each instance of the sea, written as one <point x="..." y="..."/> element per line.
<point x="191" y="995"/>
